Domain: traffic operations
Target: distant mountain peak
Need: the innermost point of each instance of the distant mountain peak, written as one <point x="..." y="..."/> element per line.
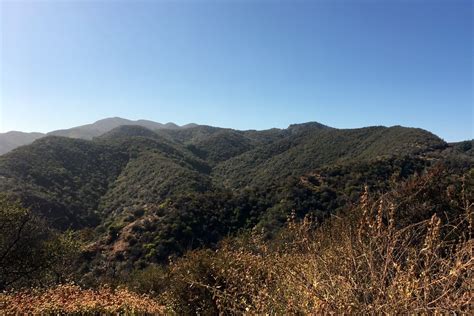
<point x="190" y="125"/>
<point x="112" y="119"/>
<point x="308" y="125"/>
<point x="171" y="125"/>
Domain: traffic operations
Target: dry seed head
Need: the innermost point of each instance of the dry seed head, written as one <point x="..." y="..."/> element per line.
<point x="364" y="200"/>
<point x="380" y="216"/>
<point x="364" y="205"/>
<point x="391" y="216"/>
<point x="432" y="234"/>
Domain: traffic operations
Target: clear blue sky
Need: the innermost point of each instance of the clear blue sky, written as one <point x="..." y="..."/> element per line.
<point x="241" y="64"/>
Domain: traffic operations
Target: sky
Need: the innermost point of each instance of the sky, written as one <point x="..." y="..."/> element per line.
<point x="239" y="64"/>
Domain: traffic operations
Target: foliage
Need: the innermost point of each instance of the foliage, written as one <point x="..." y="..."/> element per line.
<point x="151" y="178"/>
<point x="141" y="198"/>
<point x="465" y="147"/>
<point x="61" y="179"/>
<point x="208" y="220"/>
<point x="71" y="299"/>
<point x="308" y="149"/>
<point x="77" y="183"/>
<point x="362" y="261"/>
<point x="30" y="252"/>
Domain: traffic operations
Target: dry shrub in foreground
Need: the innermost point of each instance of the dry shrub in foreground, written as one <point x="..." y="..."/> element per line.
<point x="66" y="299"/>
<point x="362" y="262"/>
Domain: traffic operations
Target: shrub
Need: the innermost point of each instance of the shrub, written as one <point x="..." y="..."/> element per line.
<point x="365" y="260"/>
<point x="69" y="298"/>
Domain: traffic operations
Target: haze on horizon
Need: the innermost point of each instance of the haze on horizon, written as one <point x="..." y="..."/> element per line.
<point x="240" y="64"/>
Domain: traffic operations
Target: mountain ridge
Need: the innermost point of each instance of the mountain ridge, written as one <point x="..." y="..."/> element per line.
<point x="146" y="195"/>
<point x="204" y="157"/>
<point x="13" y="139"/>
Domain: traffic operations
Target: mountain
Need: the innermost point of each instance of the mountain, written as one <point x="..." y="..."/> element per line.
<point x="80" y="183"/>
<point x="100" y="127"/>
<point x="143" y="195"/>
<point x="12" y="140"/>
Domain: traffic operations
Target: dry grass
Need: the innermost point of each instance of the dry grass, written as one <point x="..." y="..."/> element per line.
<point x="71" y="299"/>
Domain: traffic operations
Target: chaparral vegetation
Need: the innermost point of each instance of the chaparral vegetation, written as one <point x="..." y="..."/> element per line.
<point x="203" y="220"/>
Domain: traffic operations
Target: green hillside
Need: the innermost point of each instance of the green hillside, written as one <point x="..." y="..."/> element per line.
<point x="132" y="205"/>
<point x="151" y="194"/>
<point x="308" y="148"/>
<point x="61" y="178"/>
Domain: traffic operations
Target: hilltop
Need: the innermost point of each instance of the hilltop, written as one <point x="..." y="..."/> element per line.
<point x="12" y="140"/>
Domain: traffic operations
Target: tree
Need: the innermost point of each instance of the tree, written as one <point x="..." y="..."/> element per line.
<point x="30" y="251"/>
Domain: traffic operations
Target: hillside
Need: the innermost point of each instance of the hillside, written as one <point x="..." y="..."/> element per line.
<point x="12" y="140"/>
<point x="134" y="198"/>
<point x="62" y="179"/>
<point x="216" y="145"/>
<point x="309" y="147"/>
<point x="88" y="183"/>
<point x="66" y="179"/>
